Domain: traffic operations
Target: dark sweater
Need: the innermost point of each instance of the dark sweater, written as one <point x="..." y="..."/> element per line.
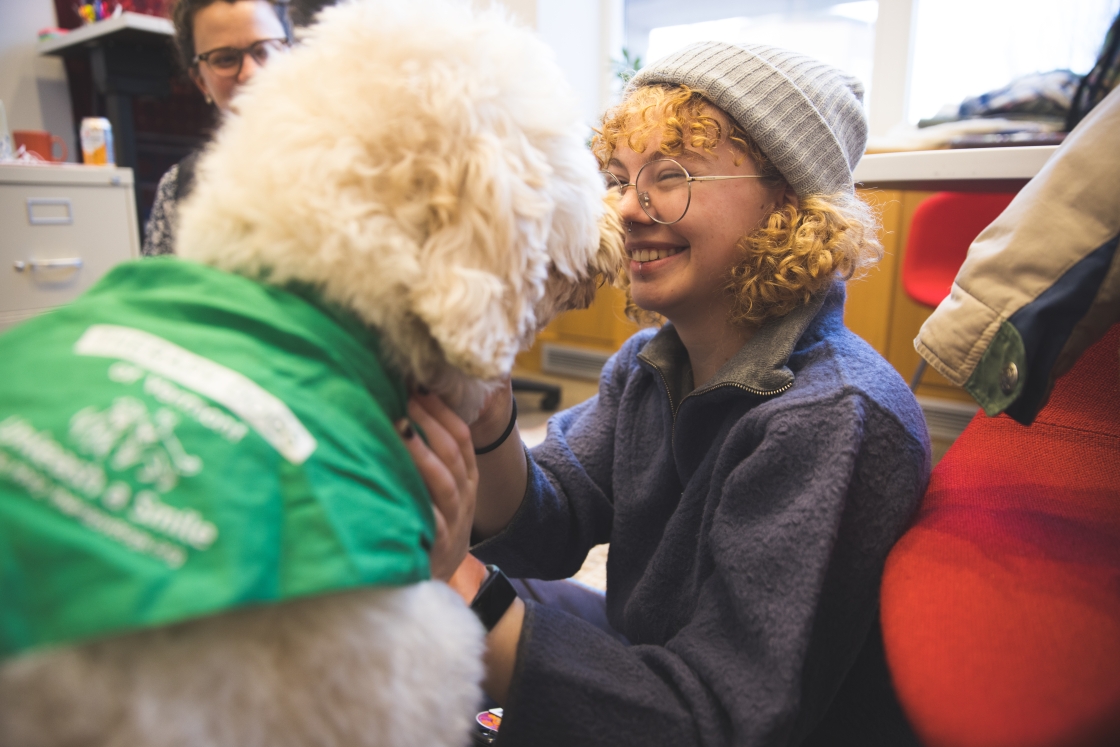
<point x="748" y="523"/>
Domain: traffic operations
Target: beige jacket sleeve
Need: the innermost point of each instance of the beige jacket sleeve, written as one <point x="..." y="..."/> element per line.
<point x="1042" y="282"/>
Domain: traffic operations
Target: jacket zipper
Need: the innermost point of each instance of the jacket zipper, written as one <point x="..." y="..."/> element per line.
<point x="673" y="408"/>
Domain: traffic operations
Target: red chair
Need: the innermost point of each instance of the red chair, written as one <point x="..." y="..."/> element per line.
<point x="1001" y="605"/>
<point x="943" y="227"/>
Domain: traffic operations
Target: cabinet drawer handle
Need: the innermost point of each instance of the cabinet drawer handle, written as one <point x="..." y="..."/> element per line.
<point x="40" y="212"/>
<point x="47" y="264"/>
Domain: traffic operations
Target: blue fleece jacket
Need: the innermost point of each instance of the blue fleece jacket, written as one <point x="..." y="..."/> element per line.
<point x="748" y="523"/>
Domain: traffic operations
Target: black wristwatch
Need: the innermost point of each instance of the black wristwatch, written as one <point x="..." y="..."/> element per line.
<point x="493" y="598"/>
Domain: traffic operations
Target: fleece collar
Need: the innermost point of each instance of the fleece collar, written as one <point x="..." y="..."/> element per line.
<point x="760" y="366"/>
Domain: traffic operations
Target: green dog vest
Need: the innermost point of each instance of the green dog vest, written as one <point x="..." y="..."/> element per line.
<point x="181" y="441"/>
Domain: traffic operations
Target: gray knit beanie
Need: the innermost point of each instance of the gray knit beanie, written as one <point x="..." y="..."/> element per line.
<point x="806" y="116"/>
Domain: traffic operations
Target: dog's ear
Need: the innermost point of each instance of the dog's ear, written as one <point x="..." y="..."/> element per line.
<point x="568" y="291"/>
<point x="611" y="257"/>
<point x="483" y="316"/>
<point x="464" y="311"/>
<point x="483" y="268"/>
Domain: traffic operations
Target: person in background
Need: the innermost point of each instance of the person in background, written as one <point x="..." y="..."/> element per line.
<point x="221" y="44"/>
<point x="302" y="13"/>
<point x="751" y="462"/>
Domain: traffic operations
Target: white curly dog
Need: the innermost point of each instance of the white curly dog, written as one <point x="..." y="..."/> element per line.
<point x="423" y="166"/>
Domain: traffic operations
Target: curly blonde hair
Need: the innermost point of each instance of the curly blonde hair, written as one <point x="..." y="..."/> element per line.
<point x="796" y="252"/>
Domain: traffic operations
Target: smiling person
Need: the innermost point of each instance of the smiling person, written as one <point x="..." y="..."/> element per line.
<point x="221" y="44"/>
<point x="750" y="462"/>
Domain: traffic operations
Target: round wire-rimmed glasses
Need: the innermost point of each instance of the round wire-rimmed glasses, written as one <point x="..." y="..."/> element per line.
<point x="227" y="61"/>
<point x="664" y="188"/>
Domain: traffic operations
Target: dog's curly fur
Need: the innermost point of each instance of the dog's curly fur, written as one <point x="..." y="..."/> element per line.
<point x="422" y="166"/>
<point x="376" y="667"/>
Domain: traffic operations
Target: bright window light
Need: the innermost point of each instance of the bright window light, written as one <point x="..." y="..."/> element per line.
<point x="964" y="48"/>
<point x="842" y="35"/>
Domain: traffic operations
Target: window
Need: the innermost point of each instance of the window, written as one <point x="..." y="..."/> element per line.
<point x="842" y="35"/>
<point x="963" y="48"/>
<point x="957" y="48"/>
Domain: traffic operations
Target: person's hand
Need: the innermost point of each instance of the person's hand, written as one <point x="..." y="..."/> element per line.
<point x="447" y="466"/>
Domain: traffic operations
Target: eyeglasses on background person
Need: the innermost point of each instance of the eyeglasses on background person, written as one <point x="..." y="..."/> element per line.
<point x="664" y="188"/>
<point x="227" y="61"/>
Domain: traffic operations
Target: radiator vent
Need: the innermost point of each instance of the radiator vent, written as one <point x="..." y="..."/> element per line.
<point x="579" y="363"/>
<point x="945" y="418"/>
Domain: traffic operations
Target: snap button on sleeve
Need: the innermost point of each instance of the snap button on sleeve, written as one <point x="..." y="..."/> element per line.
<point x="1008" y="378"/>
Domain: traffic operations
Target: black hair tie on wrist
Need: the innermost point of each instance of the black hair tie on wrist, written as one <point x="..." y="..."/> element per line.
<point x="502" y="438"/>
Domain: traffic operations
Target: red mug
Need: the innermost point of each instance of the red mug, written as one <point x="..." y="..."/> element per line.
<point x="40" y="142"/>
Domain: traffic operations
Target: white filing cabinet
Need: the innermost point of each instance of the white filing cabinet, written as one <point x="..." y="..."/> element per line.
<point x="61" y="228"/>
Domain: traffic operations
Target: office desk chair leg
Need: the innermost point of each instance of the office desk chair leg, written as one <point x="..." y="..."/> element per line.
<point x="551" y="399"/>
<point x="917" y="377"/>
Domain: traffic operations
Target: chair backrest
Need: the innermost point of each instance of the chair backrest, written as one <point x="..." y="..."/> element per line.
<point x="1000" y="605"/>
<point x="941" y="230"/>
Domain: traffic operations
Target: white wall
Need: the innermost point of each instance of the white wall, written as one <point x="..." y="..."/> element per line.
<point x="33" y="88"/>
<point x="585" y="35"/>
<point x="889" y="102"/>
<point x="573" y="29"/>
